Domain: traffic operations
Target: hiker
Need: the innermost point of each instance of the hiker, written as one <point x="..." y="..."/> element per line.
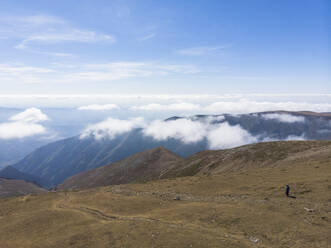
<point x="287" y="192"/>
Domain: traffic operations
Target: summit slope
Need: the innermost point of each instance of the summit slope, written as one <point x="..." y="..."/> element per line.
<point x="140" y="167"/>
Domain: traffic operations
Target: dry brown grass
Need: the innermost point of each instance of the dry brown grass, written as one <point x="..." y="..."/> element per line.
<point x="226" y="210"/>
<point x="13" y="187"/>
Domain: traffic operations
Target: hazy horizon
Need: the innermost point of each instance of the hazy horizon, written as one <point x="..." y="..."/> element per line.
<point x="111" y="66"/>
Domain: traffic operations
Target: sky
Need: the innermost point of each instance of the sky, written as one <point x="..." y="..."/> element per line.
<point x="131" y="47"/>
<point x="104" y="67"/>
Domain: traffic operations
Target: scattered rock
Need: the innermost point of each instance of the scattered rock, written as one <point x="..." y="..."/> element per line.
<point x="177" y="198"/>
<point x="308" y="209"/>
<point x="253" y="239"/>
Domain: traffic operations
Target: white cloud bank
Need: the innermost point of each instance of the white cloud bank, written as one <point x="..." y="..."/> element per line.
<point x="32" y="115"/>
<point x="187" y="131"/>
<point x="111" y="127"/>
<point x="242" y="106"/>
<point x="249" y="106"/>
<point x="14" y="130"/>
<point x="208" y="103"/>
<point x="99" y="107"/>
<point x="295" y="137"/>
<point x="287" y="118"/>
<point x="226" y="136"/>
<point x="24" y="124"/>
<point x="218" y="136"/>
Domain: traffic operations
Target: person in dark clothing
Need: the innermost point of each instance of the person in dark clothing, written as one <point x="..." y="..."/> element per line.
<point x="287" y="192"/>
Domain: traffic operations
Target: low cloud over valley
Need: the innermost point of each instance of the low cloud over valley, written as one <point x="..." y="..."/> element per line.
<point x="215" y="130"/>
<point x="24" y="124"/>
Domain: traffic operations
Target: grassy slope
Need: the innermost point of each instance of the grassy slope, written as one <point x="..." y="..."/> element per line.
<point x="140" y="167"/>
<point x="261" y="155"/>
<point x="223" y="210"/>
<point x="13" y="187"/>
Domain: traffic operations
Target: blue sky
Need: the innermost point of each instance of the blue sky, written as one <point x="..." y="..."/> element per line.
<point x="164" y="47"/>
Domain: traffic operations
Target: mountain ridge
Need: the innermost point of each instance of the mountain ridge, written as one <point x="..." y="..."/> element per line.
<point x="210" y="162"/>
<point x="10" y="172"/>
<point x="259" y="155"/>
<point x="140" y="167"/>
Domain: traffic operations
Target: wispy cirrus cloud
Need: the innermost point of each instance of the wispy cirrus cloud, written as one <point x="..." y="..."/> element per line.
<point x="24" y="73"/>
<point x="202" y="50"/>
<point x="127" y="69"/>
<point x="87" y="73"/>
<point x="56" y="54"/>
<point x="46" y="29"/>
<point x="17" y="68"/>
<point x="28" y="20"/>
<point x="147" y="37"/>
<point x="67" y="35"/>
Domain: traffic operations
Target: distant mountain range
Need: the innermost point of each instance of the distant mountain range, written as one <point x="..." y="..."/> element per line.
<point x="62" y="159"/>
<point x="10" y="172"/>
<point x="11" y="151"/>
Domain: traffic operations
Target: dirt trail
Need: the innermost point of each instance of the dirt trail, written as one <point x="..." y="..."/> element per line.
<point x="181" y="196"/>
<point x="64" y="205"/>
<point x="98" y="214"/>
